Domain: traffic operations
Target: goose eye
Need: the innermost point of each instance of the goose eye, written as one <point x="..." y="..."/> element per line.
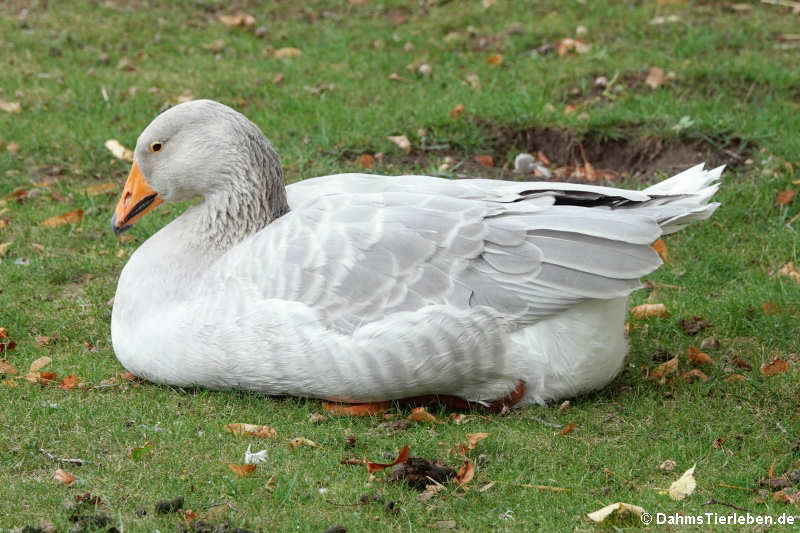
<point x="156" y="147"/>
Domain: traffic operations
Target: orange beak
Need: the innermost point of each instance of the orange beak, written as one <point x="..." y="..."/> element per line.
<point x="137" y="199"/>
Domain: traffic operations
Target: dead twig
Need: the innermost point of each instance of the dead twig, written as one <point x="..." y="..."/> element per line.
<point x="712" y="501"/>
<point x="52" y="457"/>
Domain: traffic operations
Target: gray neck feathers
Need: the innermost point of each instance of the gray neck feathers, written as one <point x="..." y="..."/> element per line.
<point x="255" y="195"/>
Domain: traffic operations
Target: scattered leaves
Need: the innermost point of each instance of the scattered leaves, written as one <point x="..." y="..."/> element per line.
<point x="366" y="161"/>
<point x="464" y="474"/>
<point x="484" y="160"/>
<point x="667" y="466"/>
<point x="694" y="325"/>
<point x="777" y="366"/>
<point x="11" y="107"/>
<point x="302" y="441"/>
<point x="419" y="414"/>
<point x="694" y="373"/>
<point x="735" y="377"/>
<point x="785" y="197"/>
<point x="665" y="369"/>
<point x="457" y="111"/>
<point x="68" y="382"/>
<point x="402" y="142"/>
<point x="6" y="368"/>
<point x="361" y="409"/>
<point x="377" y="467"/>
<point x="738" y="362"/>
<point x="34" y="372"/>
<point x="650" y="310"/>
<point x="70" y="217"/>
<point x="317" y="418"/>
<point x="661" y="249"/>
<point x="655" y="78"/>
<point x="251" y="430"/>
<point x="288" y="52"/>
<point x="4" y="247"/>
<point x="63" y="477"/>
<point x="684" y="486"/>
<point x="620" y="508"/>
<point x="475" y="438"/>
<point x="699" y="358"/>
<point x="496" y="59"/>
<point x="568" y="428"/>
<point x="790" y="271"/>
<point x="119" y="151"/>
<point x="568" y="44"/>
<point x="238" y="20"/>
<point x="241" y="470"/>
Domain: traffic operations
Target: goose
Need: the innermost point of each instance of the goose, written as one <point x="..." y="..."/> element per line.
<point x="362" y="288"/>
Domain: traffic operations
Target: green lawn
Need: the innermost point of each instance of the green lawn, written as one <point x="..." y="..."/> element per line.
<point x="87" y="71"/>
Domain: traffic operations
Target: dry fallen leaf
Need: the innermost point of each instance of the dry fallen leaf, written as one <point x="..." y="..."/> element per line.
<point x="11" y="107"/>
<point x="63" y="477"/>
<point x="7" y="368"/>
<point x="70" y="217"/>
<point x="777" y="366"/>
<point x="655" y="78"/>
<point x="770" y="308"/>
<point x="484" y="160"/>
<point x="4" y="247"/>
<point x="401" y="141"/>
<point x="790" y="271"/>
<point x="694" y="373"/>
<point x="458" y="418"/>
<point x="287" y="52"/>
<point x="119" y="151"/>
<point x="456" y="111"/>
<point x="377" y="467"/>
<point x="366" y="161"/>
<point x="665" y="369"/>
<point x="252" y="430"/>
<point x="619" y="507"/>
<point x="684" y="486"/>
<point x="464" y="474"/>
<point x="241" y="470"/>
<point x="237" y="20"/>
<point x="564" y="46"/>
<point x="419" y="414"/>
<point x="363" y="409"/>
<point x="650" y="310"/>
<point x="496" y="59"/>
<point x="68" y="382"/>
<point x="34" y="374"/>
<point x="785" y="197"/>
<point x="667" y="466"/>
<point x="475" y="438"/>
<point x="302" y="441"/>
<point x="317" y="418"/>
<point x="661" y="248"/>
<point x="699" y="358"/>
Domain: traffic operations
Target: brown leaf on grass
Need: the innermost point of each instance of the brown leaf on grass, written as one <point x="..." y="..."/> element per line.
<point x="777" y="366"/>
<point x="6" y="368"/>
<point x="456" y="111"/>
<point x="790" y="271"/>
<point x="699" y="358"/>
<point x="42" y="341"/>
<point x="770" y="308"/>
<point x="377" y="467"/>
<point x="568" y="428"/>
<point x="45" y="378"/>
<point x="251" y="430"/>
<point x="68" y="382"/>
<point x="464" y="474"/>
<point x="694" y="325"/>
<point x="568" y="44"/>
<point x="738" y="362"/>
<point x="3" y="333"/>
<point x="215" y="46"/>
<point x="419" y="414"/>
<point x="363" y="409"/>
<point x="11" y="107"/>
<point x="620" y="508"/>
<point x="402" y="142"/>
<point x="785" y="197"/>
<point x="4" y="247"/>
<point x="496" y="59"/>
<point x="70" y="217"/>
<point x="650" y="310"/>
<point x="366" y="161"/>
<point x="241" y="470"/>
<point x="665" y="369"/>
<point x="119" y="151"/>
<point x="684" y="486"/>
<point x="457" y="418"/>
<point x="694" y="373"/>
<point x="302" y="441"/>
<point x="484" y="160"/>
<point x="655" y="78"/>
<point x="661" y="248"/>
<point x="63" y="477"/>
<point x="237" y="20"/>
<point x="317" y="418"/>
<point x="34" y="374"/>
<point x="288" y="52"/>
<point x="475" y="438"/>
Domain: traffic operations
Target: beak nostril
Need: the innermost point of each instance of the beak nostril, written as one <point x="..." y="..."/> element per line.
<point x="127" y="199"/>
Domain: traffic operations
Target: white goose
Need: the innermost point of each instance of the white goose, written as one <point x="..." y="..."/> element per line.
<point x="363" y="288"/>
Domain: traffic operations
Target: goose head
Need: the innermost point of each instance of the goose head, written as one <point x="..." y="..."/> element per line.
<point x="203" y="149"/>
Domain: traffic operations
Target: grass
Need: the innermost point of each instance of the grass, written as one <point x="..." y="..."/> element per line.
<point x="732" y="77"/>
